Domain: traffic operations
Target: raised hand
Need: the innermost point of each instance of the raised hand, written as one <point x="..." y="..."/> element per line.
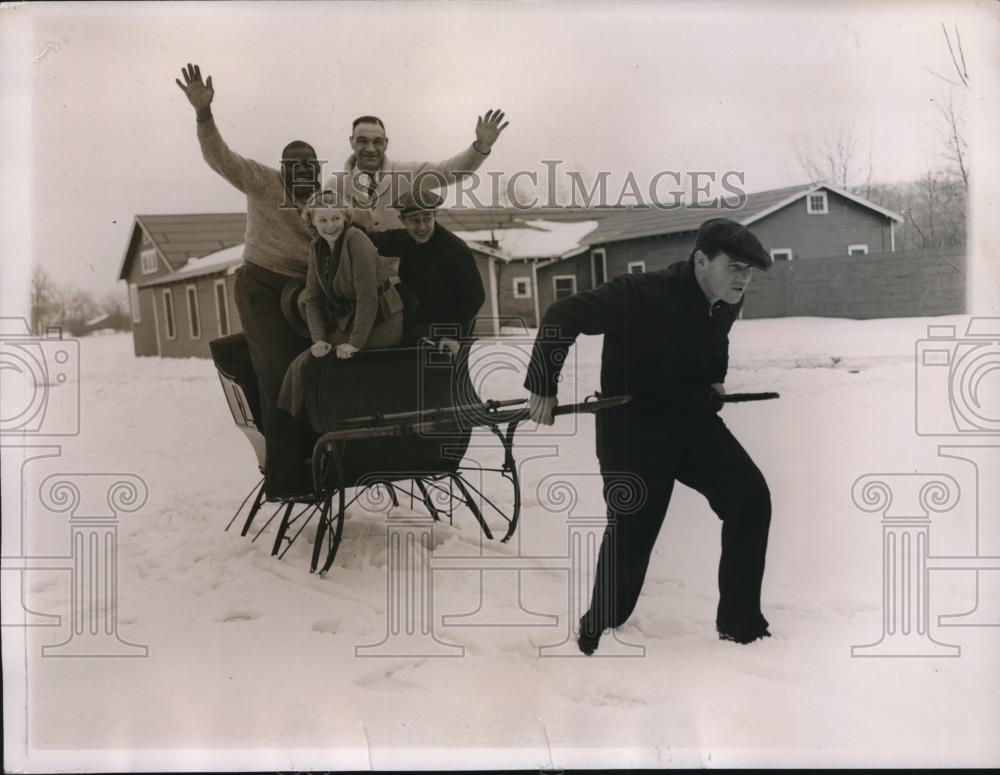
<point x="199" y="94"/>
<point x="488" y="129"/>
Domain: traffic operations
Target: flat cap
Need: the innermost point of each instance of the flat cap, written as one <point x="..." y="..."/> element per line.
<point x="734" y="239"/>
<point x="418" y="200"/>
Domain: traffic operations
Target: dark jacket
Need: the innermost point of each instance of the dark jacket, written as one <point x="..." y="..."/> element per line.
<point x="664" y="344"/>
<point x="442" y="273"/>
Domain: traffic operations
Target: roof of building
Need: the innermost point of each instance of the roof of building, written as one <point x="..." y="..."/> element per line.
<point x="179" y="238"/>
<point x="633" y="223"/>
<point x="545" y="232"/>
<point x="104" y="317"/>
<point x="487" y="218"/>
<point x="224" y="260"/>
<point x="535" y="238"/>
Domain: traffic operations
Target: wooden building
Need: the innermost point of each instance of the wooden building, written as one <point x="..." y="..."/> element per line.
<point x="834" y="255"/>
<point x="180" y="273"/>
<point x="176" y="306"/>
<point x="796" y="224"/>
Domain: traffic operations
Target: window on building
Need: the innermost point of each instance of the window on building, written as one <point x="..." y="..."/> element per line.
<point x="563" y="285"/>
<point x="522" y="287"/>
<point x="133" y="302"/>
<point x="194" y="318"/>
<point x="857" y="250"/>
<point x="781" y="254"/>
<point x="222" y="307"/>
<point x="816" y="203"/>
<point x="635" y="267"/>
<point x="598" y="266"/>
<point x="168" y="313"/>
<point x="148" y="259"/>
<point x="147" y="255"/>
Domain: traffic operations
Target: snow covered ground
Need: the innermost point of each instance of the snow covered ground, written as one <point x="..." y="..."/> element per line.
<point x="252" y="662"/>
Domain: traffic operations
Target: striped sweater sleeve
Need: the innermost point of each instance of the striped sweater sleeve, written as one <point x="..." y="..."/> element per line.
<point x="245" y="174"/>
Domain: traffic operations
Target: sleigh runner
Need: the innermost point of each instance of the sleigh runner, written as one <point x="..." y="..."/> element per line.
<point x="385" y="418"/>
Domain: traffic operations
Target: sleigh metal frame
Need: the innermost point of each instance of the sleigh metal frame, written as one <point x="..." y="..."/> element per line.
<point x="440" y="491"/>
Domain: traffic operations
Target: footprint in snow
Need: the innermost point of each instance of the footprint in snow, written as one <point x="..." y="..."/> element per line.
<point x="238" y="616"/>
<point x="328" y="626"/>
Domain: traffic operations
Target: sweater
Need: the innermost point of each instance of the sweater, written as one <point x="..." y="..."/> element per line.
<point x="664" y="344"/>
<point x="396" y="178"/>
<point x="276" y="237"/>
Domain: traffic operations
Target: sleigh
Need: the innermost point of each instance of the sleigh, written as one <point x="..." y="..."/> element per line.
<point x="400" y="419"/>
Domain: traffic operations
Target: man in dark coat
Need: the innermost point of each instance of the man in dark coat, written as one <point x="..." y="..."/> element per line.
<point x="666" y="345"/>
<point x="435" y="266"/>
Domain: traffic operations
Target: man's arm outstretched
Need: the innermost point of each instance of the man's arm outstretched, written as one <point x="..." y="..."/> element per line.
<point x="598" y="311"/>
<point x="436" y="174"/>
<point x="245" y="174"/>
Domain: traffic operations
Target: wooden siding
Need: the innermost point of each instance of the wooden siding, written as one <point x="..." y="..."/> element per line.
<point x="144" y="332"/>
<point x="483" y="325"/>
<point x="579" y="266"/>
<point x="515" y="312"/>
<point x="879" y="285"/>
<point x="184" y="345"/>
<point x="657" y="252"/>
<point x="133" y="264"/>
<point x="824" y="235"/>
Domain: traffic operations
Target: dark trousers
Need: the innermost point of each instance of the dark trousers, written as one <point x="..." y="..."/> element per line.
<point x="640" y="461"/>
<point x="273" y="346"/>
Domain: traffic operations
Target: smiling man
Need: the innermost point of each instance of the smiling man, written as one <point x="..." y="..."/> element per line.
<point x="373" y="182"/>
<point x="275" y="251"/>
<point x="666" y="344"/>
<point x="437" y="267"/>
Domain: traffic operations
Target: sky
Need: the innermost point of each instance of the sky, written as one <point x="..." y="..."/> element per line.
<point x="99" y="132"/>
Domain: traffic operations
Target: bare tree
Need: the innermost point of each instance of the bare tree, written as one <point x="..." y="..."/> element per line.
<point x="953" y="135"/>
<point x="952" y="117"/>
<point x="43" y="299"/>
<point x="115" y="305"/>
<point x="73" y="308"/>
<point x="837" y="158"/>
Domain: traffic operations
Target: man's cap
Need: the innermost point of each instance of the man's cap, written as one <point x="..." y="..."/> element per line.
<point x="418" y="201"/>
<point x="734" y="239"/>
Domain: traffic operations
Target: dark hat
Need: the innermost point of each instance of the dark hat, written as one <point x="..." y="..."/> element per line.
<point x="734" y="239"/>
<point x="417" y="200"/>
<point x="292" y="308"/>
